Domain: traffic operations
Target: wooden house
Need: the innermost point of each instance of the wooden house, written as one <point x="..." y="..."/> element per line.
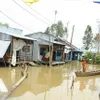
<point x="47" y="50"/>
<point x="71" y="51"/>
<point x="15" y="48"/>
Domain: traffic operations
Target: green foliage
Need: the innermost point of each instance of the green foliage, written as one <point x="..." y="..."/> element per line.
<point x="96" y="42"/>
<point x="57" y="29"/>
<point x="89" y="57"/>
<point x="97" y="59"/>
<point x="60" y="29"/>
<point x="54" y="29"/>
<point x="5" y="24"/>
<point x="87" y="39"/>
<point x="47" y="30"/>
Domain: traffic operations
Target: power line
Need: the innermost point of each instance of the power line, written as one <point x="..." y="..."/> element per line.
<point x="30" y="13"/>
<point x="36" y="12"/>
<point x="15" y="21"/>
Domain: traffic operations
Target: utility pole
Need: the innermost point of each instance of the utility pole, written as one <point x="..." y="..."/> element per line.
<point x="71" y="40"/>
<point x="98" y="26"/>
<point x="67" y="30"/>
<point x="72" y="34"/>
<point x="51" y="46"/>
<point x="55" y="16"/>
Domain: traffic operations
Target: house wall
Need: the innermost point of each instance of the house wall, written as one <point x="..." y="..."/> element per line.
<point x="36" y="51"/>
<point x="26" y="54"/>
<point x="57" y="53"/>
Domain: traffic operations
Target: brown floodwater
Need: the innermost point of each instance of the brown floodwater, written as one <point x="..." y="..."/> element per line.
<point x="50" y="83"/>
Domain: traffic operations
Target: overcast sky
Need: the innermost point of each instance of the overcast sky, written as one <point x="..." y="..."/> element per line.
<point x="77" y="12"/>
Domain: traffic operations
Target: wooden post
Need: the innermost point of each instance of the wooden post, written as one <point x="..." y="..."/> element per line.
<point x="63" y="57"/>
<point x="32" y="49"/>
<point x="4" y="62"/>
<point x="11" y="51"/>
<point x="51" y="55"/>
<point x="71" y="41"/>
<point x="71" y="55"/>
<point x="11" y="47"/>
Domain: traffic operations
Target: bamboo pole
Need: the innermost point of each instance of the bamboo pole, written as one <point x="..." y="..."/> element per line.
<point x="16" y="85"/>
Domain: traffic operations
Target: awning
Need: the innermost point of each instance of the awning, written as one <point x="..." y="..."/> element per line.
<point x="96" y="1"/>
<point x="3" y="47"/>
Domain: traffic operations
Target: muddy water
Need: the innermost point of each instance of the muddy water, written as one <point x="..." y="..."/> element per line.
<point x="55" y="83"/>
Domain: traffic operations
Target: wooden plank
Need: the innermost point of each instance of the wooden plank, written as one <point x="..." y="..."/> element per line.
<point x="51" y="55"/>
<point x="63" y="57"/>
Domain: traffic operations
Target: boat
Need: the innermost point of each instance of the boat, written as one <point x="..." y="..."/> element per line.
<point x="89" y="73"/>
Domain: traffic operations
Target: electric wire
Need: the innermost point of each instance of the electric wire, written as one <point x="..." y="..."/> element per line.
<point x="30" y="13"/>
<point x="15" y="21"/>
<point x="36" y="12"/>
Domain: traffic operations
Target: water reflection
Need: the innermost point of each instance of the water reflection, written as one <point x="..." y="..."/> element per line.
<point x="44" y="83"/>
<point x="89" y="87"/>
<point x="13" y="76"/>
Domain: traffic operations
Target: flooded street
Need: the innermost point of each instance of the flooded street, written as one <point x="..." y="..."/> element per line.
<point x="51" y="83"/>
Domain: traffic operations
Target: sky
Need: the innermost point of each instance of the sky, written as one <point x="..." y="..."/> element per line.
<point x="38" y="16"/>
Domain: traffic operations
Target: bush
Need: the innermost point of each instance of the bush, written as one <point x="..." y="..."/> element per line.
<point x="92" y="58"/>
<point x="89" y="57"/>
<point x="97" y="59"/>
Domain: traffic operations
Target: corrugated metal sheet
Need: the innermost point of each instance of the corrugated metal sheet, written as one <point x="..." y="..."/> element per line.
<point x="4" y="45"/>
<point x="14" y="32"/>
<point x="20" y="36"/>
<point x="44" y="41"/>
<point x="56" y="42"/>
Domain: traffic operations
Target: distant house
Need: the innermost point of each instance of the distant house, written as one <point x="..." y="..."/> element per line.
<point x="15" y="48"/>
<point x="46" y="49"/>
<point x="71" y="51"/>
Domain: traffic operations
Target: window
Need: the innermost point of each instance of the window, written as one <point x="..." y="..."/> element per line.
<point x="26" y="49"/>
<point x="42" y="51"/>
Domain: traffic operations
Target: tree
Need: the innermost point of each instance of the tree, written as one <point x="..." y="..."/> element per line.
<point x="47" y="31"/>
<point x="87" y="39"/>
<point x="66" y="30"/>
<point x="96" y="42"/>
<point x="5" y="24"/>
<point x="57" y="29"/>
<point x="54" y="29"/>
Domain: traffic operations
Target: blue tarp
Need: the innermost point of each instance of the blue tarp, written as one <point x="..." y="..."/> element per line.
<point x="97" y="1"/>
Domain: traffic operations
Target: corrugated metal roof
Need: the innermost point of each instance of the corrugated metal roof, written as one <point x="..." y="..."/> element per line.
<point x="56" y="42"/>
<point x="53" y="42"/>
<point x="4" y="47"/>
<point x="20" y="36"/>
<point x="14" y="32"/>
<point x="66" y="42"/>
